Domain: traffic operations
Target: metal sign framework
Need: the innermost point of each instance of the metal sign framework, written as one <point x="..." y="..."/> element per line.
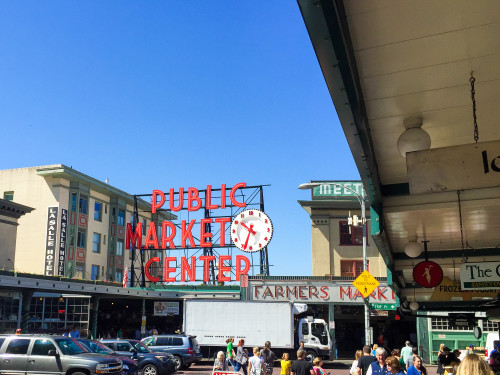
<point x="253" y="196"/>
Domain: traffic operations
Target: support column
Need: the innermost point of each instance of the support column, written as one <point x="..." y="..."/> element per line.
<point x="94" y="315"/>
<point x="25" y="309"/>
<point x="331" y="328"/>
<point x="143" y="319"/>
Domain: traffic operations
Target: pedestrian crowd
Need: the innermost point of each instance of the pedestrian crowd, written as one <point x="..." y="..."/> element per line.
<point x="262" y="361"/>
<point x="378" y="361"/>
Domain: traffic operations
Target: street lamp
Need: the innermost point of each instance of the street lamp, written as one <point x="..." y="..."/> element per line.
<point x="361" y="200"/>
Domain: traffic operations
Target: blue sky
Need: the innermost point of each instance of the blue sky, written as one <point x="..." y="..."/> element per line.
<point x="161" y="94"/>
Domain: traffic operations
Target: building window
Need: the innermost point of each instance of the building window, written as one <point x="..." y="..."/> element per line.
<point x="94" y="274"/>
<point x="8" y="195"/>
<point x="351" y="268"/>
<point x="121" y="218"/>
<point x="351" y="235"/>
<point x="73" y="201"/>
<point x="83" y="204"/>
<point x="97" y="211"/>
<point x="119" y="248"/>
<point x="118" y="276"/>
<point x="144" y="227"/>
<point x="96" y="243"/>
<point x="81" y="239"/>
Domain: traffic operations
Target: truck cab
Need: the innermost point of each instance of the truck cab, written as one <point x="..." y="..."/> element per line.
<point x="316" y="337"/>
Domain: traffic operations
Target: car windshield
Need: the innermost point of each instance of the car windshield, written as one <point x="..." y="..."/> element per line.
<point x="139" y="346"/>
<point x="70" y="346"/>
<point x="97" y="347"/>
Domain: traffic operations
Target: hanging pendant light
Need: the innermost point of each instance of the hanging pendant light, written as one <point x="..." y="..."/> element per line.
<point x="414" y="138"/>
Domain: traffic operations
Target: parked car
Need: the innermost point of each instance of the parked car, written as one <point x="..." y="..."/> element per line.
<point x="55" y="355"/>
<point x="130" y="366"/>
<point x="150" y="363"/>
<point x="184" y="348"/>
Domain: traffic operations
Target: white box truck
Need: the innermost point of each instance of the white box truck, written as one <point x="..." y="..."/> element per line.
<point x="214" y="321"/>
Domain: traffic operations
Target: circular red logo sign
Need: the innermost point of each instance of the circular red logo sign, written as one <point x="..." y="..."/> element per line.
<point x="428" y="274"/>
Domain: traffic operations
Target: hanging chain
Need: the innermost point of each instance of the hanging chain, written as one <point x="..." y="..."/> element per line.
<point x="473" y="97"/>
<point x="460" y="214"/>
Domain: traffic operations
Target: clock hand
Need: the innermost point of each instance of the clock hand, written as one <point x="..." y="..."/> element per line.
<point x="249" y="229"/>
<point x="248" y="237"/>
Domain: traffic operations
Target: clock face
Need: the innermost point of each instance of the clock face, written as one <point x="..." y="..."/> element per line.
<point x="251" y="230"/>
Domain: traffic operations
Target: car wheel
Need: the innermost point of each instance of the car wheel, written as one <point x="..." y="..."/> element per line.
<point x="177" y="362"/>
<point x="149" y="370"/>
<point x="187" y="365"/>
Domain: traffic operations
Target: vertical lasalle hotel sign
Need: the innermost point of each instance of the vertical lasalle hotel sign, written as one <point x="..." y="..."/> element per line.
<point x="51" y="256"/>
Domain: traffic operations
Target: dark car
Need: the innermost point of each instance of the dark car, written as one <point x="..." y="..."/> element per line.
<point x="130" y="366"/>
<point x="39" y="354"/>
<point x="184" y="348"/>
<point x="150" y="363"/>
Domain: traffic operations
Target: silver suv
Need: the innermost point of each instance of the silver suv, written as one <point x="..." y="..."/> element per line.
<point x="56" y="355"/>
<point x="185" y="349"/>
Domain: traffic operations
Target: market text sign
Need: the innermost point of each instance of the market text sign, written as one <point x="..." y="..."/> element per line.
<point x="317" y="292"/>
<point x="183" y="236"/>
<point x="484" y="275"/>
<point x="338" y="189"/>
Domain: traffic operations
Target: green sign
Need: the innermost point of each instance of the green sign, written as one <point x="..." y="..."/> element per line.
<point x="383" y="306"/>
<point x="350" y="189"/>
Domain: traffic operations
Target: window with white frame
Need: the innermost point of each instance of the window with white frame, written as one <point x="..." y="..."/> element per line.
<point x="96" y="243"/>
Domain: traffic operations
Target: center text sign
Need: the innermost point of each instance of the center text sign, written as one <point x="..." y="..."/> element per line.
<point x="317" y="292"/>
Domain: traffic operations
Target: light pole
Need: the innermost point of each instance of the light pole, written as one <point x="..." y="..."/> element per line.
<point x="361" y="200"/>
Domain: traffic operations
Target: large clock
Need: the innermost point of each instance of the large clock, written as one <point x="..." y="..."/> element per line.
<point x="251" y="230"/>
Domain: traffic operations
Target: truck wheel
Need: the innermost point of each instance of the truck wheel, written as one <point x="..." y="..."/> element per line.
<point x="177" y="362"/>
<point x="311" y="354"/>
<point x="149" y="369"/>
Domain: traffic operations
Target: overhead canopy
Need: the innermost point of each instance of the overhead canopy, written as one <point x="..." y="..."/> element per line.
<point x="391" y="62"/>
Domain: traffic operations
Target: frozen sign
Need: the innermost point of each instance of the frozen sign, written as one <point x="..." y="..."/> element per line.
<point x="317" y="292"/>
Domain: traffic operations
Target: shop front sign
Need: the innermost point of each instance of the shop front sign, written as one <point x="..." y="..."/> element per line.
<point x="484" y="275"/>
<point x="451" y="289"/>
<point x="454" y="168"/>
<point x="317" y="292"/>
<point x="428" y="274"/>
<point x="162" y="308"/>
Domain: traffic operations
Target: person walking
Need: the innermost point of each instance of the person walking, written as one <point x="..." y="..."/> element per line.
<point x="393" y="366"/>
<point x="365" y="361"/>
<point x="318" y="366"/>
<point x="220" y="362"/>
<point x="417" y="368"/>
<point x="378" y="367"/>
<point x="285" y="364"/>
<point x="74" y="333"/>
<point x="255" y="364"/>
<point x="354" y="365"/>
<point x="301" y="366"/>
<point x="268" y="357"/>
<point x="230" y="351"/>
<point x="448" y="360"/>
<point x="473" y="365"/>
<point x="440" y="369"/>
<point x="409" y="361"/>
<point x="406" y="352"/>
<point x="241" y="358"/>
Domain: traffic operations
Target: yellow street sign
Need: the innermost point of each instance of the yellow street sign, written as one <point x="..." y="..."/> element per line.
<point x="365" y="283"/>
